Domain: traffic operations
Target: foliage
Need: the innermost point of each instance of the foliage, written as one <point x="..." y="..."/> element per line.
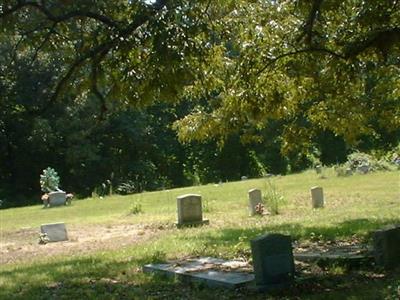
<point x="92" y="88"/>
<point x="126" y="188"/>
<point x="135" y="208"/>
<point x="49" y="180"/>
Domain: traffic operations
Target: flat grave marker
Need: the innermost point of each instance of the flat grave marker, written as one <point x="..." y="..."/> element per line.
<point x="213" y="272"/>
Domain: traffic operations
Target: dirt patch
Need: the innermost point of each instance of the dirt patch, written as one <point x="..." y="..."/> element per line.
<point x="22" y="245"/>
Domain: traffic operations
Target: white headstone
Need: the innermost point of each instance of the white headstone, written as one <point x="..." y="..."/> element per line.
<point x="55" y="232"/>
<point x="190" y="210"/>
<point x="254" y="199"/>
<point x="317" y="197"/>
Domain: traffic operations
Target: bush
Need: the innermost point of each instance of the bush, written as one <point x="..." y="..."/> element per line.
<point x="136" y="208"/>
<point x="358" y="160"/>
<point x="126" y="188"/>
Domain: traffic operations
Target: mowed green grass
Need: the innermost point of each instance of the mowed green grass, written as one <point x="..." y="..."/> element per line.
<point x="355" y="206"/>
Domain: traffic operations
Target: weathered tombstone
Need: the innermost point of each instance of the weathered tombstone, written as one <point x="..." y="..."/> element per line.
<point x="57" y="198"/>
<point x="387" y="247"/>
<point x="317" y="197"/>
<point x="348" y="172"/>
<point x="363" y="169"/>
<point x="190" y="210"/>
<point x="243" y="178"/>
<point x="55" y="232"/>
<point x="318" y="169"/>
<point x="254" y="199"/>
<point x="273" y="261"/>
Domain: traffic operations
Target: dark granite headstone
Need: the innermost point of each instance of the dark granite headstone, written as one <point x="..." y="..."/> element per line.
<point x="272" y="261"/>
<point x="387" y="247"/>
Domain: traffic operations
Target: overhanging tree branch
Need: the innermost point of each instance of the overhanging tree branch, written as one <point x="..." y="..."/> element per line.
<point x="61" y="18"/>
<point x="297" y="52"/>
<point x="103" y="49"/>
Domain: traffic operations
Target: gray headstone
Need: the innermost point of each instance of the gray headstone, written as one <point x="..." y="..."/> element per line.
<point x="363" y="169"/>
<point x="55" y="232"/>
<point x="272" y="261"/>
<point x="57" y="198"/>
<point x="255" y="198"/>
<point x="348" y="172"/>
<point x="190" y="210"/>
<point x="318" y="169"/>
<point x="317" y="197"/>
<point x="387" y="247"/>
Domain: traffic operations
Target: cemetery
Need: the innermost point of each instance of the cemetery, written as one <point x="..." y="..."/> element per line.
<point x="193" y="243"/>
<point x="177" y="149"/>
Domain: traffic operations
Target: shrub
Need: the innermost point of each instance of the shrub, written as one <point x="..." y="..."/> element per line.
<point x="136" y="208"/>
<point x="126" y="188"/>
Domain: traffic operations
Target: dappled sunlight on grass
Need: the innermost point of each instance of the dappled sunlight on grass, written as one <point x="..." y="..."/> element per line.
<point x="354" y="207"/>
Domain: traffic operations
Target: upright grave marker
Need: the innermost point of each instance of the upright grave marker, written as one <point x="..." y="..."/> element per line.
<point x="55" y="232"/>
<point x="254" y="199"/>
<point x="387" y="247"/>
<point x="272" y="261"/>
<point x="190" y="210"/>
<point x="317" y="197"/>
<point x="57" y="198"/>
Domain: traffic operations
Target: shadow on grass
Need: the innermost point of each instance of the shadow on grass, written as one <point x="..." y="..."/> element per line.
<point x="88" y="278"/>
<point x="98" y="278"/>
<point x="360" y="227"/>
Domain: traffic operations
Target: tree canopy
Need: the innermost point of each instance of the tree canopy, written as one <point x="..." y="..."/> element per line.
<point x="321" y="64"/>
<point x="288" y="75"/>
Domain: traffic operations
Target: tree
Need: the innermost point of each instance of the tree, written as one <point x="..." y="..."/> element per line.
<point x="305" y="61"/>
<point x="308" y="64"/>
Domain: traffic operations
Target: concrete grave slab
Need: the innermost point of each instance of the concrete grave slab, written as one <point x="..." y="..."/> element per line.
<point x="213" y="272"/>
<point x="55" y="232"/>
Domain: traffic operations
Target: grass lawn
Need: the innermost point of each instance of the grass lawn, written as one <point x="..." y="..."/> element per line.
<point x="355" y="206"/>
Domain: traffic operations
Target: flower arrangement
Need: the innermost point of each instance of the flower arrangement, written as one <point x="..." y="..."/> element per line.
<point x="49" y="180"/>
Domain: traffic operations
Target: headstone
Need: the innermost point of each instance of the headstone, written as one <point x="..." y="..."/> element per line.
<point x="387" y="247"/>
<point x="55" y="232"/>
<point x="318" y="169"/>
<point x="190" y="210"/>
<point x="272" y="261"/>
<point x="243" y="178"/>
<point x="57" y="198"/>
<point x="348" y="172"/>
<point x="363" y="169"/>
<point x="317" y="197"/>
<point x="254" y="199"/>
